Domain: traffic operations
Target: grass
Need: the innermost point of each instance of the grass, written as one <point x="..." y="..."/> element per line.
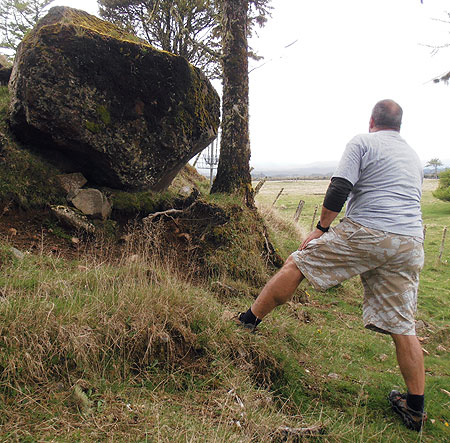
<point x="137" y="350"/>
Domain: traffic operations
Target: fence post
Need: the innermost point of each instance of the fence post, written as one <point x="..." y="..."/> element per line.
<point x="442" y="243"/>
<point x="260" y="185"/>
<point x="278" y="196"/>
<point x="299" y="210"/>
<point x="314" y="218"/>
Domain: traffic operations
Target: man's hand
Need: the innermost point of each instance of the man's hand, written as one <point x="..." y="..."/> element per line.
<point x="317" y="233"/>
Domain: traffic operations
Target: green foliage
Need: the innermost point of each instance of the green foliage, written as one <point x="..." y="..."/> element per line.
<point x="17" y="17"/>
<point x="443" y="191"/>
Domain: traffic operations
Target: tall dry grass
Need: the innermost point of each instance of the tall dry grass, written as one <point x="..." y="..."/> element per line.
<point x="67" y="320"/>
<point x="70" y="330"/>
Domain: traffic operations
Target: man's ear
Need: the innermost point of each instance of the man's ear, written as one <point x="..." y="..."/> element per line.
<point x="371" y="124"/>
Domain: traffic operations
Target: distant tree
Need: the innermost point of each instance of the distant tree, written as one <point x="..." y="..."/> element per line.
<point x="185" y="27"/>
<point x="17" y="17"/>
<point x="443" y="191"/>
<point x="435" y="163"/>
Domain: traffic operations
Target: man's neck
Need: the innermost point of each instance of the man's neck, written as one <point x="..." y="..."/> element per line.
<point x="383" y="128"/>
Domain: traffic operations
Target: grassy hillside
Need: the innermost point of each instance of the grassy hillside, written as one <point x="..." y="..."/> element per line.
<point x="130" y="348"/>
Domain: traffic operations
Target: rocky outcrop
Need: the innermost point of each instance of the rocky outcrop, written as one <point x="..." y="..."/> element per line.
<point x="107" y="104"/>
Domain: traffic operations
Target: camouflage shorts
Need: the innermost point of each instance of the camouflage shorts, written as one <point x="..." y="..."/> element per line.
<point x="388" y="264"/>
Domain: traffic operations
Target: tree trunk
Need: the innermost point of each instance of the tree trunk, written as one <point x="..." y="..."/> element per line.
<point x="233" y="173"/>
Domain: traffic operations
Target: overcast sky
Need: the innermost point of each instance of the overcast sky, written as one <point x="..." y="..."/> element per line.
<point x="310" y="98"/>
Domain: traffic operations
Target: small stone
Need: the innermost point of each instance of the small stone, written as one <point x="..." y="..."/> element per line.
<point x="92" y="202"/>
<point x="185" y="191"/>
<point x="71" y="182"/>
<point x="12" y="231"/>
<point x="18" y="254"/>
<point x="383" y="357"/>
<point x="333" y="375"/>
<point x="432" y="421"/>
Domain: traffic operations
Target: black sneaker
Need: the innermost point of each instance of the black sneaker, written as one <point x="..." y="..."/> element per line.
<point x="237" y="319"/>
<point x="412" y="419"/>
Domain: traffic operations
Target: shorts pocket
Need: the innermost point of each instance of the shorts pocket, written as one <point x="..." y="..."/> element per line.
<point x="366" y="235"/>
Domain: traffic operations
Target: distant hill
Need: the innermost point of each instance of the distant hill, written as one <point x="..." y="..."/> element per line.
<point x="321" y="169"/>
<point x="317" y="169"/>
<point x="311" y="170"/>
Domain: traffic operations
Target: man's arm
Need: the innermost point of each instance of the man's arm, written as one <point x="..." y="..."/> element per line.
<point x="336" y="196"/>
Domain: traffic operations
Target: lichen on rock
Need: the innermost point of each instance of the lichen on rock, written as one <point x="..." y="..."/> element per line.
<point x="101" y="101"/>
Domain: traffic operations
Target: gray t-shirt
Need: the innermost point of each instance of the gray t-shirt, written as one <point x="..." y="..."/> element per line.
<point x="387" y="180"/>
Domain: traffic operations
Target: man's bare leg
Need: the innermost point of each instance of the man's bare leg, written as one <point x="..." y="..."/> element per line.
<point x="410" y="361"/>
<point x="278" y="290"/>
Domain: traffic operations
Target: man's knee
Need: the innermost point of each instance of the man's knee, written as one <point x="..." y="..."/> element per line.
<point x="404" y="340"/>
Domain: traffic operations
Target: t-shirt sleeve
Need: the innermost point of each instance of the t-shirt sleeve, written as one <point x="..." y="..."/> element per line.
<point x="350" y="164"/>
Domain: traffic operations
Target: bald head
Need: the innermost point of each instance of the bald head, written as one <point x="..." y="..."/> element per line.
<point x="387" y="114"/>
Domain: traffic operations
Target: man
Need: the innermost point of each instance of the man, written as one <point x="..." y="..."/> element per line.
<point x="380" y="239"/>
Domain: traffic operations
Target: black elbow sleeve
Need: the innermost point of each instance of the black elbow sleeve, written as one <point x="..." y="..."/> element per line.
<point x="337" y="194"/>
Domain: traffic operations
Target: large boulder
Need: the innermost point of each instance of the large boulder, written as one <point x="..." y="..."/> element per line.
<point x="98" y="100"/>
